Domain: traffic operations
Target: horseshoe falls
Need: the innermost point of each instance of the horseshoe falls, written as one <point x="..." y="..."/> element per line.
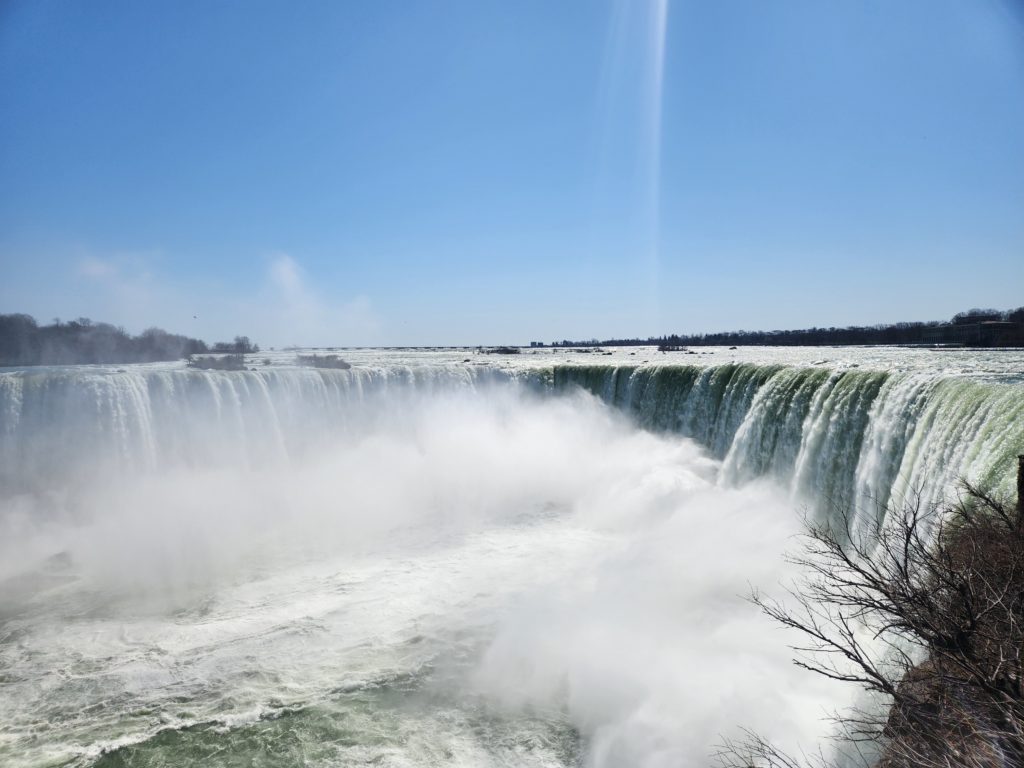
<point x="438" y="558"/>
<point x="841" y="439"/>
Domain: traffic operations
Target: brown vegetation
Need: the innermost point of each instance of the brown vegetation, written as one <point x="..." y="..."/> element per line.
<point x="926" y="612"/>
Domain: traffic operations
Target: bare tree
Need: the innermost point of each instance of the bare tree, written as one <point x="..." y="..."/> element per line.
<point x="926" y="613"/>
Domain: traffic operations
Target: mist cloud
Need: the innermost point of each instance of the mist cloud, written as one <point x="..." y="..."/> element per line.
<point x="300" y="314"/>
<point x="597" y="570"/>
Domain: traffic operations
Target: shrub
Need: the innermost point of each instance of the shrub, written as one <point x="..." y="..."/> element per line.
<point x="941" y="595"/>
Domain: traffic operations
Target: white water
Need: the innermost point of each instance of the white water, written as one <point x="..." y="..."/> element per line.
<point x="425" y="562"/>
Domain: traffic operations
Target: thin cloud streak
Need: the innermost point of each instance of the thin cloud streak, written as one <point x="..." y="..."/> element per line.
<point x="299" y="314"/>
<point x="283" y="308"/>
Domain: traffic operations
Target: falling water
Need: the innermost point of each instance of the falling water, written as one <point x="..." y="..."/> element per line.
<point x="425" y="560"/>
<point x="841" y="438"/>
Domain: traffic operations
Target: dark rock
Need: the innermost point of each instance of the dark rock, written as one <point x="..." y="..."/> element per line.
<point x="322" y="361"/>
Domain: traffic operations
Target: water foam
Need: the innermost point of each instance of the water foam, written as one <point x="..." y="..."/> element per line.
<point x="491" y="563"/>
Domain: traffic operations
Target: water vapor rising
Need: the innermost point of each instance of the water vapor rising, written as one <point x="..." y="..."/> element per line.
<point x="650" y="644"/>
<point x="536" y="564"/>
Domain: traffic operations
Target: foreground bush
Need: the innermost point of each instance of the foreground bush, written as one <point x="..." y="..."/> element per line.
<point x="926" y="613"/>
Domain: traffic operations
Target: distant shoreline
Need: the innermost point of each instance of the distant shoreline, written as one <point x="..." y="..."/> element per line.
<point x="972" y="329"/>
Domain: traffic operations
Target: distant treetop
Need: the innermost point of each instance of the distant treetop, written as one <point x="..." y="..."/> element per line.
<point x="24" y="342"/>
<point x="907" y="333"/>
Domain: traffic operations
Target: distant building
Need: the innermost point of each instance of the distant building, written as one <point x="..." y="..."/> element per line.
<point x="988" y="333"/>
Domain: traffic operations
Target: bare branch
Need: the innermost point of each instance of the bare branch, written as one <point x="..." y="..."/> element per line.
<point x="941" y="595"/>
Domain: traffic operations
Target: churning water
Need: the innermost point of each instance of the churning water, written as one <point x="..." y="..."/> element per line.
<point x="440" y="558"/>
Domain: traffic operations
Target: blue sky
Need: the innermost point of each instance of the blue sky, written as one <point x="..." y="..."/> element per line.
<point x="476" y="171"/>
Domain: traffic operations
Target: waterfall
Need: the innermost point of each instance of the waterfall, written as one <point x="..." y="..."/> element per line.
<point x="58" y="427"/>
<point x="418" y="546"/>
<point x="845" y="438"/>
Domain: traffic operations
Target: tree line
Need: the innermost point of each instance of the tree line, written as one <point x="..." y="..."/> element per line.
<point x="23" y="341"/>
<point x="931" y="332"/>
